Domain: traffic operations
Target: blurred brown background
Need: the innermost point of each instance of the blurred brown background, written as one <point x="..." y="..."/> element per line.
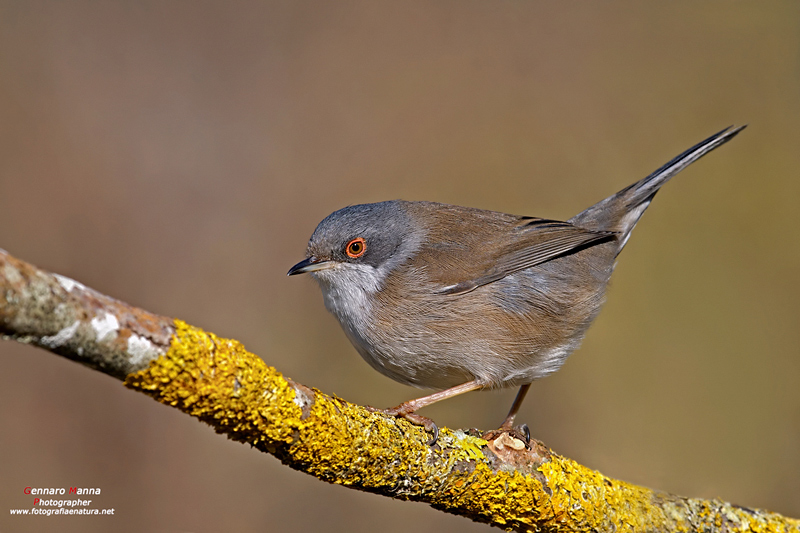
<point x="177" y="155"/>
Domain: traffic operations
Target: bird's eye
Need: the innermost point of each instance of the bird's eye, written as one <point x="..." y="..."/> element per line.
<point x="356" y="247"/>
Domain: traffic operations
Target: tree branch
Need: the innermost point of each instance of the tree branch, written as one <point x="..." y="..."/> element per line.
<point x="500" y="482"/>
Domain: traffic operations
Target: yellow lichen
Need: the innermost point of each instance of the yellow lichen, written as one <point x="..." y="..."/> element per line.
<point x="219" y="382"/>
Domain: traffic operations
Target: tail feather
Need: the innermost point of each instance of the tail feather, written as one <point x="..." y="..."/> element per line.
<point x="621" y="211"/>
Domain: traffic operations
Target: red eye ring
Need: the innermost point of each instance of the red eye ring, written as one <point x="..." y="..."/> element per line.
<point x="356" y="247"/>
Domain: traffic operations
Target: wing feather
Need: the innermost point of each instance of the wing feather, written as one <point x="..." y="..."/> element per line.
<point x="532" y="242"/>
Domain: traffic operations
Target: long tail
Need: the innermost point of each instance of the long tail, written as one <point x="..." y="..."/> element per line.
<point x="621" y="211"/>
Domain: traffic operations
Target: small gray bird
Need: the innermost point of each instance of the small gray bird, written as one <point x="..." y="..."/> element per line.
<point x="458" y="299"/>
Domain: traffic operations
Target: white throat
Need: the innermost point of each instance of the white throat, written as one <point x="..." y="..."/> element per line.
<point x="348" y="288"/>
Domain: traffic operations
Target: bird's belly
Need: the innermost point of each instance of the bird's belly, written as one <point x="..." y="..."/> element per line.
<point x="409" y="361"/>
<point x="440" y="355"/>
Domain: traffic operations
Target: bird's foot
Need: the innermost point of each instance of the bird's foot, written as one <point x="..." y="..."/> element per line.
<point x="404" y="411"/>
<point x="521" y="433"/>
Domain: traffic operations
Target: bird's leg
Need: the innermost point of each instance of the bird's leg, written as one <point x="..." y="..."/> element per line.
<point x="508" y="423"/>
<point x="408" y="409"/>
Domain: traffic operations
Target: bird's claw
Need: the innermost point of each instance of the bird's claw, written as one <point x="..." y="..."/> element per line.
<point x="417" y="420"/>
<point x="521" y="433"/>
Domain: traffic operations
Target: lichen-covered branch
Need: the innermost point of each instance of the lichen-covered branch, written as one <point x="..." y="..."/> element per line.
<point x="502" y="482"/>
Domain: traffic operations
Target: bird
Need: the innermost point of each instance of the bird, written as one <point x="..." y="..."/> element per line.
<point x="458" y="299"/>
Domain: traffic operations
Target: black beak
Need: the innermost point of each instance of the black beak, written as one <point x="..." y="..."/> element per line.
<point x="309" y="265"/>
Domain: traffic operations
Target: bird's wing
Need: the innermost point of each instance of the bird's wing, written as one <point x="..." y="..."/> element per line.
<point x="522" y="244"/>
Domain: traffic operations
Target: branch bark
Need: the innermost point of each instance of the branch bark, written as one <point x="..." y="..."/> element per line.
<point x="501" y="482"/>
